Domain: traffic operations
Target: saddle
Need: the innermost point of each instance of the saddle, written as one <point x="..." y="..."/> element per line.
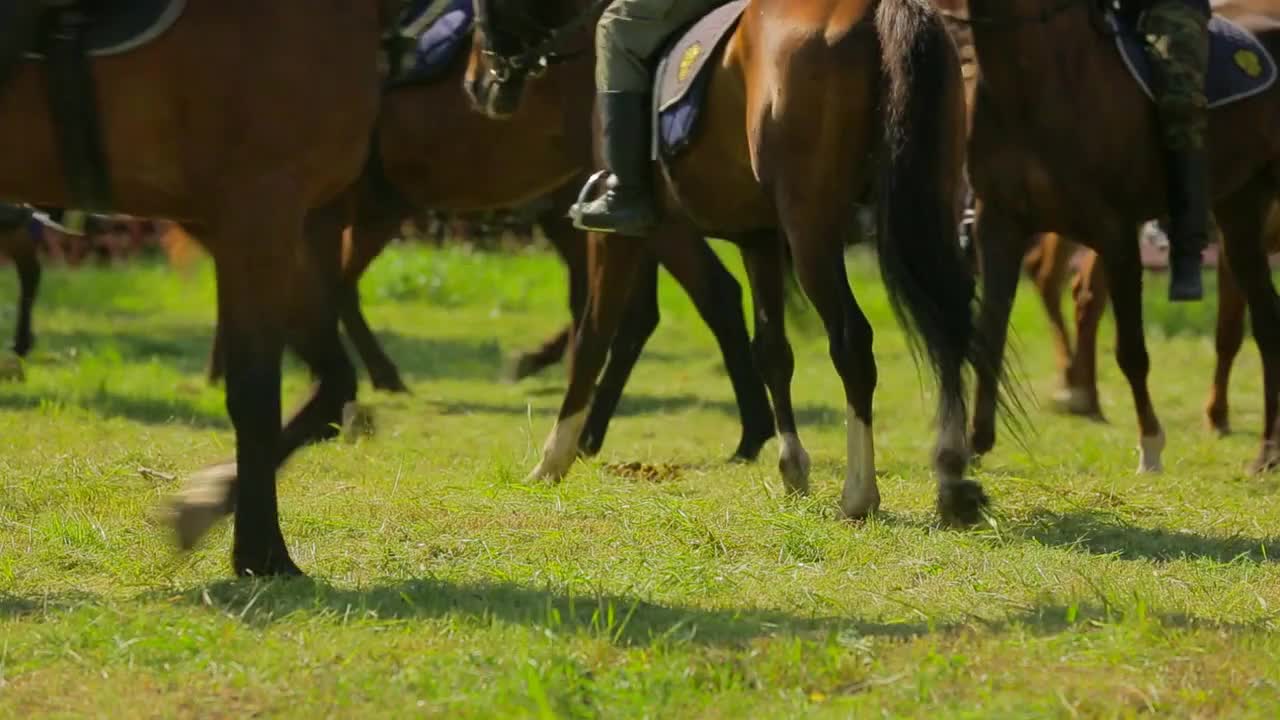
<point x="64" y="34"/>
<point x="1240" y="66"/>
<point x="682" y="77"/>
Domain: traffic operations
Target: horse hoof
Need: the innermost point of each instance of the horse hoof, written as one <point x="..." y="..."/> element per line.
<point x="519" y="367"/>
<point x="11" y="369"/>
<point x="961" y="504"/>
<point x="272" y="564"/>
<point x="207" y="499"/>
<point x="1268" y="459"/>
<point x="357" y="422"/>
<point x="1077" y="401"/>
<point x="1149" y="451"/>
<point x="1218" y="422"/>
<point x="545" y="473"/>
<point x="982" y="441"/>
<point x="750" y="446"/>
<point x="858" y="509"/>
<point x="794" y="465"/>
<point x="394" y="386"/>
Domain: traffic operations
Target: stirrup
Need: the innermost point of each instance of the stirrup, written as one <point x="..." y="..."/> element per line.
<point x="586" y="194"/>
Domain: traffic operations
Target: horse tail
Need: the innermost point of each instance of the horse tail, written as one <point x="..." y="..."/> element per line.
<point x="930" y="286"/>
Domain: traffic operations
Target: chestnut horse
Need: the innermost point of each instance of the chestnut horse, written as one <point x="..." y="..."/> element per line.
<point x="240" y="140"/>
<point x="808" y="101"/>
<point x="1039" y="164"/>
<point x="1078" y="389"/>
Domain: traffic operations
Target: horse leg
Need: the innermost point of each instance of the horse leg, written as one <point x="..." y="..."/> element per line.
<point x="1048" y="272"/>
<point x="309" y="319"/>
<point x="773" y="356"/>
<point x="28" y="265"/>
<point x="571" y="245"/>
<point x="1228" y="338"/>
<point x="252" y="251"/>
<point x="1124" y="269"/>
<point x="1001" y="246"/>
<point x="639" y="320"/>
<point x="1242" y="219"/>
<point x="217" y="366"/>
<point x="369" y="237"/>
<point x="611" y="271"/>
<point x="1090" y="292"/>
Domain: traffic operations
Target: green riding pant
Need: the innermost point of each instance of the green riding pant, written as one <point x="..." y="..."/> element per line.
<point x="1177" y="35"/>
<point x="631" y="32"/>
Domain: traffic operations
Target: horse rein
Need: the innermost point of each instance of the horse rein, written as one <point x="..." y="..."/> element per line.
<point x="534" y="59"/>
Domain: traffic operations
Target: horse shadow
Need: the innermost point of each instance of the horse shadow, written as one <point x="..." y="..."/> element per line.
<point x="1100" y="533"/>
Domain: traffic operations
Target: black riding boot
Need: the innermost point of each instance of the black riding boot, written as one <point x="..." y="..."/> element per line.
<point x="1188" y="180"/>
<point x="627" y="206"/>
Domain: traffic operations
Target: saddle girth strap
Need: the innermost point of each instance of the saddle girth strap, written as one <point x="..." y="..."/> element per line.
<point x="73" y="107"/>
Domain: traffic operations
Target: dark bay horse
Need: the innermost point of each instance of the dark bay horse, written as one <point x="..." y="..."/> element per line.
<point x="239" y="139"/>
<point x="436" y="152"/>
<point x="1038" y="163"/>
<point x="812" y="104"/>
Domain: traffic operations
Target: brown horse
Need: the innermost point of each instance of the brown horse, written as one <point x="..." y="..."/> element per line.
<point x="462" y="161"/>
<point x="240" y="140"/>
<point x="806" y="98"/>
<point x="18" y="245"/>
<point x="1039" y="164"/>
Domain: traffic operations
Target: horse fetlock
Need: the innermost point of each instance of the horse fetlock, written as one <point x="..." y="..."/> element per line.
<point x="1150" y="448"/>
<point x="860" y="496"/>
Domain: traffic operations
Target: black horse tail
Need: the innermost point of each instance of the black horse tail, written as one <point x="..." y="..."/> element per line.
<point x="931" y="288"/>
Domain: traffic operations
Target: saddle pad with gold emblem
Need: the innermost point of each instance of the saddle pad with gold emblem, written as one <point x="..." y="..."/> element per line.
<point x="681" y="80"/>
<point x="1239" y="66"/>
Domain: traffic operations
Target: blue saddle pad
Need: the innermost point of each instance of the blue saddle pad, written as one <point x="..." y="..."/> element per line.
<point x="440" y="43"/>
<point x="680" y="85"/>
<point x="1239" y="65"/>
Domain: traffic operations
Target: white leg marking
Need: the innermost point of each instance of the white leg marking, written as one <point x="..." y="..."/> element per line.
<point x="861" y="497"/>
<point x="561" y="449"/>
<point x="793" y="463"/>
<point x="1149" y="450"/>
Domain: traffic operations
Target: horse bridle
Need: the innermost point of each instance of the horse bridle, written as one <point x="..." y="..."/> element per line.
<point x="538" y="56"/>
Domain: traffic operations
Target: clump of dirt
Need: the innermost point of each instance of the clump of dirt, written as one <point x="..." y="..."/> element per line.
<point x="645" y="472"/>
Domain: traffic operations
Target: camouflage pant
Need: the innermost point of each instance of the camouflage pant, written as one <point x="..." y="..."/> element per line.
<point x="631" y="32"/>
<point x="1178" y="45"/>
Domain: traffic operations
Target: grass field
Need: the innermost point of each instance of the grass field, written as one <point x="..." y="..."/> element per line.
<point x="444" y="586"/>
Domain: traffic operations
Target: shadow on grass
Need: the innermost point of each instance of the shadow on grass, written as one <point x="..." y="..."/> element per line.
<point x="107" y="404"/>
<point x="1103" y="534"/>
<point x="621" y="620"/>
<point x="634" y="405"/>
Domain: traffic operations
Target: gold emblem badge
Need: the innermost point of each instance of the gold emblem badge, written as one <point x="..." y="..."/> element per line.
<point x="687" y="61"/>
<point x="1249" y="62"/>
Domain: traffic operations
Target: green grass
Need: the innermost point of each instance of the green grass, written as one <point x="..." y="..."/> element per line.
<point x="444" y="586"/>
